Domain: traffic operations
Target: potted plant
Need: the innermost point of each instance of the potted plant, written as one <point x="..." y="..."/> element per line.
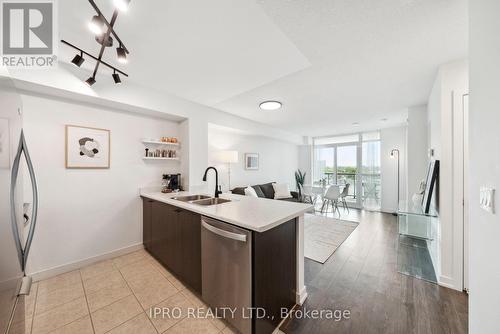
<point x="299" y="179"/>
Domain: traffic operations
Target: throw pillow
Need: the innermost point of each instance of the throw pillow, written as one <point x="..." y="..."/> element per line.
<point x="281" y="191"/>
<point x="249" y="191"/>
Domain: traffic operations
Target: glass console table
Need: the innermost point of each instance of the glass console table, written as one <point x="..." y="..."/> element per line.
<point x="417" y="231"/>
<point x="414" y="222"/>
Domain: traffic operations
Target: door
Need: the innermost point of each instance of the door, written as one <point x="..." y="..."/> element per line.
<point x="146" y="222"/>
<point x="11" y="271"/>
<point x="466" y="191"/>
<point x="190" y="236"/>
<point x="164" y="234"/>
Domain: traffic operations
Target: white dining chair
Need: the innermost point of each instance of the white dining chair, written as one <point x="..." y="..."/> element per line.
<point x="343" y="195"/>
<point x="332" y="197"/>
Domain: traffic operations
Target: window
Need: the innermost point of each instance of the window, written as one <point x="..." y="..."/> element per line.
<point x="352" y="160"/>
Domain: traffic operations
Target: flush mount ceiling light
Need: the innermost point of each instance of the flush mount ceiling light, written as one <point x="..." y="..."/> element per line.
<point x="270" y="105"/>
<point x="355" y="123"/>
<point x="78" y="59"/>
<point x="103" y="31"/>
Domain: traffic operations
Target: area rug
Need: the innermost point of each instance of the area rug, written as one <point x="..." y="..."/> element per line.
<point x="323" y="235"/>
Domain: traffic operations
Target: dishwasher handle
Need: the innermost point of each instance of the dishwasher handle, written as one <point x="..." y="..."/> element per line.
<point x="225" y="234"/>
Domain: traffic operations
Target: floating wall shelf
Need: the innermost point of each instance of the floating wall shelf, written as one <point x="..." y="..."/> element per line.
<point x="152" y="142"/>
<point x="159" y="158"/>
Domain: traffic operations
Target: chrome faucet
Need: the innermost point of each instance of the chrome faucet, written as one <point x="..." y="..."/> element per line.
<point x="217" y="191"/>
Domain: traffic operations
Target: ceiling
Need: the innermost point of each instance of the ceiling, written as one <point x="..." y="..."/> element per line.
<point x="332" y="63"/>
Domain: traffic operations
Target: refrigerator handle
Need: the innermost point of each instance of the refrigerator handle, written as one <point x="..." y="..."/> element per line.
<point x="13" y="216"/>
<point x="23" y="252"/>
<point x="34" y="213"/>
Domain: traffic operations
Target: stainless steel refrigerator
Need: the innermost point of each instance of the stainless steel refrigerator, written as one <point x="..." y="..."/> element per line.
<point x="17" y="213"/>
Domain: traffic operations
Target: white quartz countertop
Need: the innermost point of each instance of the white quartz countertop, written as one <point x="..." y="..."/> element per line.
<point x="256" y="214"/>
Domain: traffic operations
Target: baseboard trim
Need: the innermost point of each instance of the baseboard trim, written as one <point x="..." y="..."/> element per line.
<point x="301" y="296"/>
<point x="48" y="273"/>
<point x="448" y="282"/>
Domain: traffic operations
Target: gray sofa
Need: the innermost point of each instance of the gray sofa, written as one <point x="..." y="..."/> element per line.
<point x="266" y="191"/>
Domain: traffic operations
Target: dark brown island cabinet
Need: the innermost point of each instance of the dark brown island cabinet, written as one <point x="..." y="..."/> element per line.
<point x="173" y="236"/>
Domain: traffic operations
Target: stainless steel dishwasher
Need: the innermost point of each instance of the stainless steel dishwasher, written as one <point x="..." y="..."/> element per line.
<point x="226" y="257"/>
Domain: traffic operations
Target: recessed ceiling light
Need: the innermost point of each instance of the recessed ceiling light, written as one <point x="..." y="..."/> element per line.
<point x="355" y="123"/>
<point x="270" y="105"/>
<point x="384" y="119"/>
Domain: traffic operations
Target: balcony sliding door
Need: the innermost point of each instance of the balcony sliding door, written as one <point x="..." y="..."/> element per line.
<point x="352" y="160"/>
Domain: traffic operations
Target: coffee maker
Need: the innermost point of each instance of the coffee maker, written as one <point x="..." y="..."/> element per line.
<point x="172" y="182"/>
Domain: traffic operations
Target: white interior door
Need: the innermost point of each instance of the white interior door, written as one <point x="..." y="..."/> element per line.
<point x="466" y="191"/>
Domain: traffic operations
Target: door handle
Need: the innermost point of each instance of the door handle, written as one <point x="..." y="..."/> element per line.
<point x="223" y="233"/>
<point x="23" y="252"/>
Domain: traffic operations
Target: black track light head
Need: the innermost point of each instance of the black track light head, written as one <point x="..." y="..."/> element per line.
<point x="96" y="25"/>
<point x="121" y="54"/>
<point x="90" y="81"/>
<point x="78" y="60"/>
<point x="116" y="78"/>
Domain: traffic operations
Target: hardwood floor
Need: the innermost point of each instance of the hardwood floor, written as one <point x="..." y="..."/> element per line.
<point x="361" y="276"/>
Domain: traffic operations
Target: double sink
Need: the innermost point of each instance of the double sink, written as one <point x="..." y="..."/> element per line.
<point x="201" y="200"/>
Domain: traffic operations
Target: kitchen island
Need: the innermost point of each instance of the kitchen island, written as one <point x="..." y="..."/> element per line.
<point x="198" y="239"/>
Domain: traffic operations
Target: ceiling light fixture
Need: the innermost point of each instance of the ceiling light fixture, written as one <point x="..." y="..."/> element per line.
<point x="78" y="59"/>
<point x="355" y="123"/>
<point x="121" y="4"/>
<point x="116" y="78"/>
<point x="270" y="105"/>
<point x="121" y="55"/>
<point x="96" y="25"/>
<point x="104" y="40"/>
<point x="90" y="81"/>
<point x="103" y="30"/>
<point x="384" y="119"/>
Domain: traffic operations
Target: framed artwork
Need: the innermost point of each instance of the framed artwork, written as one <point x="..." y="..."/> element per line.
<point x="87" y="148"/>
<point x="431" y="182"/>
<point x="252" y="161"/>
<point x="4" y="143"/>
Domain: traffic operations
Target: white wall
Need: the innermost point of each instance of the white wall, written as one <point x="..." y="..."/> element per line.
<point x="392" y="138"/>
<point x="86" y="213"/>
<point x="64" y="81"/>
<point x="445" y="116"/>
<point x="484" y="299"/>
<point x="278" y="160"/>
<point x="416" y="148"/>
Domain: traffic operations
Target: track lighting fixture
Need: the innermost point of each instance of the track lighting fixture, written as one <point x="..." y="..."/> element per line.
<point x="78" y="59"/>
<point x="103" y="30"/>
<point x="116" y="78"/>
<point x="96" y="25"/>
<point x="90" y="81"/>
<point x="121" y="54"/>
<point x="122" y="5"/>
<point x="104" y="40"/>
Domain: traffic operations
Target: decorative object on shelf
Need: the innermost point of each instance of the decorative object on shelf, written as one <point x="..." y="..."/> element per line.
<point x="395" y="155"/>
<point x="87" y="148"/>
<point x="171" y="182"/>
<point x="300" y="178"/>
<point x="172" y="140"/>
<point x="229" y="157"/>
<point x="432" y="177"/>
<point x="251" y="161"/>
<point x="4" y="143"/>
<point x="103" y="31"/>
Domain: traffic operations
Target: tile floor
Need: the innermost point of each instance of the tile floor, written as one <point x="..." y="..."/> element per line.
<point x="115" y="296"/>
